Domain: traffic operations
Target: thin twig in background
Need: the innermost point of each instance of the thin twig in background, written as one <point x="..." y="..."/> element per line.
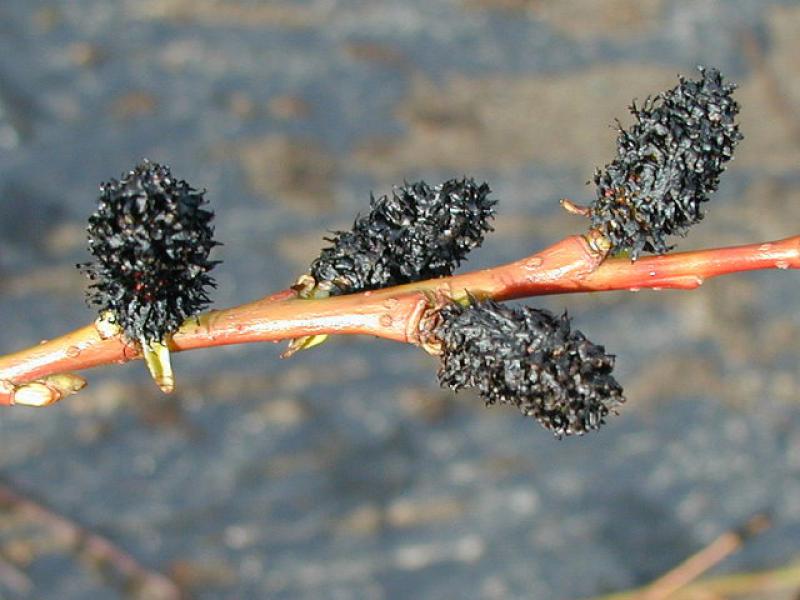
<point x="98" y="550"/>
<point x="13" y="578"/>
<point x="680" y="577"/>
<point x="783" y="580"/>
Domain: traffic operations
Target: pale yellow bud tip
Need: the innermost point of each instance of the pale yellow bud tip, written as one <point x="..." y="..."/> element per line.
<point x="156" y="357"/>
<point x="48" y="390"/>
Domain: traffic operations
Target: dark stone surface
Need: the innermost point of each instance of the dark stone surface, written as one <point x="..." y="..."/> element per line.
<point x="346" y="472"/>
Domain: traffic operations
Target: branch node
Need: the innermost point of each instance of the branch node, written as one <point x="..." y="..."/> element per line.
<point x="598" y="242"/>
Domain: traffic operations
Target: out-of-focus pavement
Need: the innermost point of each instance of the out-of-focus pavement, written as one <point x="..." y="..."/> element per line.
<point x="345" y="473"/>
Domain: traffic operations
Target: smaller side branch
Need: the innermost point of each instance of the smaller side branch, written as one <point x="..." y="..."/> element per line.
<point x="98" y="549"/>
<point x="13" y="578"/>
<point x="687" y="572"/>
<point x="704" y="560"/>
<point x="783" y="580"/>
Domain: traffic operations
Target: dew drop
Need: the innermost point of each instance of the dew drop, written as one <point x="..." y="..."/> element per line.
<point x="634" y="289"/>
<point x="73" y="352"/>
<point x="652" y="273"/>
<point x="386" y="320"/>
<point x="782" y="264"/>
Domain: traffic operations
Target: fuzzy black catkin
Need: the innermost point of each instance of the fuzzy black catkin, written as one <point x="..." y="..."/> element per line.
<point x="417" y="232"/>
<point x="529" y="358"/>
<point x="668" y="163"/>
<point x="151" y="239"/>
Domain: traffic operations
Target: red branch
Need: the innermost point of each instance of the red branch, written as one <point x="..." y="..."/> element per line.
<point x="399" y="313"/>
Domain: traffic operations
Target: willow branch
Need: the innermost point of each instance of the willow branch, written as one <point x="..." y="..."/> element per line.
<point x="399" y="313"/>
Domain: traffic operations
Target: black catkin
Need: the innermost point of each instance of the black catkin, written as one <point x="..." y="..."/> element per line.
<point x="417" y="232"/>
<point x="668" y="163"/>
<point x="529" y="358"/>
<point x="151" y="239"/>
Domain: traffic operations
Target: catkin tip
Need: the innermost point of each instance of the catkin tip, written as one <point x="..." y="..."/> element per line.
<point x="668" y="164"/>
<point x="416" y="232"/>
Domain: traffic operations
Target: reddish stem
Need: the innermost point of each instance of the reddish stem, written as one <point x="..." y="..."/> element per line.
<point x="688" y="270"/>
<point x="569" y="266"/>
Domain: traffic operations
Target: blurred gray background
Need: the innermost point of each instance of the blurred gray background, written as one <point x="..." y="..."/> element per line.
<point x="345" y="472"/>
